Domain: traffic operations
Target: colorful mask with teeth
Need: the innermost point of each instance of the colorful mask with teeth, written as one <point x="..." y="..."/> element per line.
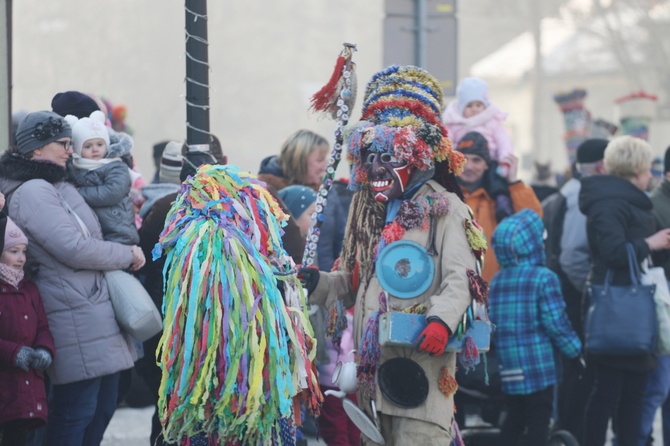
<point x="388" y="176"/>
<point x="400" y="133"/>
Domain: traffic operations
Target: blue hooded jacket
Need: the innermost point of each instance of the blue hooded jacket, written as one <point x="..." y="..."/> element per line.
<point x="527" y="308"/>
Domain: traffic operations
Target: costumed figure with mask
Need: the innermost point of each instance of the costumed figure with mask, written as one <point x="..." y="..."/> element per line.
<point x="237" y="349"/>
<point x="407" y="210"/>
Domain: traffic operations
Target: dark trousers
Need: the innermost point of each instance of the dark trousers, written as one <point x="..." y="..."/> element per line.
<point x="573" y="394"/>
<point x="80" y="411"/>
<point x="530" y="412"/>
<point x="146" y="367"/>
<point x="616" y="393"/>
<point x="13" y="433"/>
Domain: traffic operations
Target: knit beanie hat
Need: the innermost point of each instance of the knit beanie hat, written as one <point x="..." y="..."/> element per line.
<point x="40" y="128"/>
<point x="472" y="89"/>
<point x="73" y="103"/>
<point x="591" y="150"/>
<point x="297" y="199"/>
<point x="88" y="128"/>
<point x="474" y="143"/>
<point x="171" y="161"/>
<point x="13" y="235"/>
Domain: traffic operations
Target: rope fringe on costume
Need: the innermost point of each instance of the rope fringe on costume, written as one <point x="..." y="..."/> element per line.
<point x="468" y="357"/>
<point x="234" y="351"/>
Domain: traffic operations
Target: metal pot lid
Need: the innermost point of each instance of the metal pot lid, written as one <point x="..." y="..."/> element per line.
<point x="403" y="382"/>
<point x="362" y="421"/>
<point x="405" y="269"/>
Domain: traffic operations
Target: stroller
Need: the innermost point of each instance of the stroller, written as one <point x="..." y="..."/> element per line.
<point x="480" y="408"/>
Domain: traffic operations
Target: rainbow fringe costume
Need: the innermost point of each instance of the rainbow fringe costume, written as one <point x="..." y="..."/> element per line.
<point x="237" y="348"/>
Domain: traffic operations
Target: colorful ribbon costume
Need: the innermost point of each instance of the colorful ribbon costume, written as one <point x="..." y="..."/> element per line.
<point x="237" y="346"/>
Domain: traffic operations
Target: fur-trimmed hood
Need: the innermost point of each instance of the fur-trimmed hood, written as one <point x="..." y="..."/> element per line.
<point x="120" y="144"/>
<point x="16" y="169"/>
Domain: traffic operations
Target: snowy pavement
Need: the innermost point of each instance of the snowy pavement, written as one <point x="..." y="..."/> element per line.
<point x="131" y="427"/>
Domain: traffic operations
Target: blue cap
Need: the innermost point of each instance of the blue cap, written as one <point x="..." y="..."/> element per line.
<point x="297" y="199"/>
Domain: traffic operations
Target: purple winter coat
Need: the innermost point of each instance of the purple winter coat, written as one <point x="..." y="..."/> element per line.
<point x="22" y="323"/>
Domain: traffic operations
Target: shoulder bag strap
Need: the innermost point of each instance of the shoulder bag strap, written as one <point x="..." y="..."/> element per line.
<point x="82" y="225"/>
<point x="633" y="265"/>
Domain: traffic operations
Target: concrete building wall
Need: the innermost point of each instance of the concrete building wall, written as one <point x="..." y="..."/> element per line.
<point x="267" y="59"/>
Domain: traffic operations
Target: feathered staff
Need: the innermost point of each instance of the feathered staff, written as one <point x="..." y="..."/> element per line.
<point x="336" y="99"/>
<point x="234" y="350"/>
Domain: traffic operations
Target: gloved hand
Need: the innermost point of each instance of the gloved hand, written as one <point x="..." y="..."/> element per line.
<point x="309" y="277"/>
<point x="41" y="359"/>
<point x="433" y="339"/>
<point x="23" y="358"/>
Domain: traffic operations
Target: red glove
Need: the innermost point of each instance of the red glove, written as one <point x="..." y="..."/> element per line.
<point x="433" y="339"/>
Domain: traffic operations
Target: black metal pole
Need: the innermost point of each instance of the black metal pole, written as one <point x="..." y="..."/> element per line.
<point x="197" y="73"/>
<point x="8" y="12"/>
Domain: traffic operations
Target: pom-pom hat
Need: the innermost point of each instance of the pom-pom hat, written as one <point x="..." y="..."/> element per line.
<point x="88" y="128"/>
<point x="401" y="114"/>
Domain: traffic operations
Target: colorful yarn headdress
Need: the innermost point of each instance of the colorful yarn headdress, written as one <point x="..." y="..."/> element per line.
<point x="235" y="349"/>
<point x="401" y="114"/>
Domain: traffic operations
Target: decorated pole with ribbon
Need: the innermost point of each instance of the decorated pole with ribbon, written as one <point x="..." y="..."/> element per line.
<point x="336" y="99"/>
<point x="197" y="74"/>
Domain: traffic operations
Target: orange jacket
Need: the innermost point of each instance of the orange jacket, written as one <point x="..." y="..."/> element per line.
<point x="483" y="207"/>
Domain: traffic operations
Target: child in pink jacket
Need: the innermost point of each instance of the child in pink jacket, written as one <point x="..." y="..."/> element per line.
<point x="472" y="111"/>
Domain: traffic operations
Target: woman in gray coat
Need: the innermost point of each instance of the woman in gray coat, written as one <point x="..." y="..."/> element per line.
<point x="90" y="348"/>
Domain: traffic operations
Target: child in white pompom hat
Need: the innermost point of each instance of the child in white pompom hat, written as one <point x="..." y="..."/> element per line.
<point x="102" y="179"/>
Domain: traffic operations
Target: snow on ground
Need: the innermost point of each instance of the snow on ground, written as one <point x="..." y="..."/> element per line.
<point x="131" y="427"/>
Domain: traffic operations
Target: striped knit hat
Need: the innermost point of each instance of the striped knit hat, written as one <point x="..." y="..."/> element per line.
<point x="171" y="161"/>
<point x="401" y="113"/>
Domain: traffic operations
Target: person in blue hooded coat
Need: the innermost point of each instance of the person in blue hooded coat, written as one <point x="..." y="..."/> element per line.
<point x="528" y="311"/>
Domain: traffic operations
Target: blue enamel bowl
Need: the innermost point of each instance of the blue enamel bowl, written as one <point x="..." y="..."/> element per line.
<point x="405" y="269"/>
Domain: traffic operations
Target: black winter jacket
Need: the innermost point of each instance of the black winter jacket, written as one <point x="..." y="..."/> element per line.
<point x="617" y="212"/>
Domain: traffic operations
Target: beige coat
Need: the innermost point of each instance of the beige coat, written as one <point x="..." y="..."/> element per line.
<point x="447" y="298"/>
